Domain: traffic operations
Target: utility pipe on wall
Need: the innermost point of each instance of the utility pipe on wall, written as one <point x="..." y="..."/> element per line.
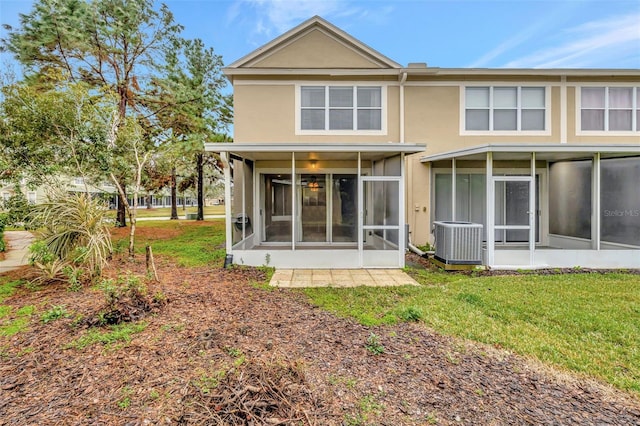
<point x="403" y="79"/>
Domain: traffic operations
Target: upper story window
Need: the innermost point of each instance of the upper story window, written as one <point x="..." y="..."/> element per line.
<point x="500" y="109"/>
<point x="341" y="108"/>
<point x="610" y="109"/>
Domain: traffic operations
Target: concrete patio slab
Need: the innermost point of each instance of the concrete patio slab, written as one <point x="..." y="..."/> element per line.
<point x="300" y="278"/>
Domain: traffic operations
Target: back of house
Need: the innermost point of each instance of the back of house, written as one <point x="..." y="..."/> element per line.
<point x="341" y="155"/>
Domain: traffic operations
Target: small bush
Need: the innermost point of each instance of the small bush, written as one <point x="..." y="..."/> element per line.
<point x="54" y="313"/>
<point x="411" y="314"/>
<point x="76" y="230"/>
<point x="373" y="344"/>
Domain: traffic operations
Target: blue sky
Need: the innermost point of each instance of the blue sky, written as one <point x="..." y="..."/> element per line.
<point x="449" y="34"/>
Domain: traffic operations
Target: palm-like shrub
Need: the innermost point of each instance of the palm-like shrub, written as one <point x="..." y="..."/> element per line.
<point x="75" y="230"/>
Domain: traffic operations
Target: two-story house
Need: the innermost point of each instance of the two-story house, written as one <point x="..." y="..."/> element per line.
<point x="337" y="148"/>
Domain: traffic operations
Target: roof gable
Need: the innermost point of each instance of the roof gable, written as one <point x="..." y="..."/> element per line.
<point x="315" y="44"/>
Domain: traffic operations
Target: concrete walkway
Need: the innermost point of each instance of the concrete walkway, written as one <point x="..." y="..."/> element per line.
<point x="17" y="253"/>
<point x="298" y="278"/>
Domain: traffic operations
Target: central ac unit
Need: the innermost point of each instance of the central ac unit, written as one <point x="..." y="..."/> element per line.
<point x="458" y="242"/>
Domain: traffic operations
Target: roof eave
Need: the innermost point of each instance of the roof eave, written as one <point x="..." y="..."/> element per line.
<point x="537" y="148"/>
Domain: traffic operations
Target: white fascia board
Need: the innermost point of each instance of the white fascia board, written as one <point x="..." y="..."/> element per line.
<point x="538" y="148"/>
<point x="553" y="72"/>
<point x="310" y="71"/>
<point x="314" y="147"/>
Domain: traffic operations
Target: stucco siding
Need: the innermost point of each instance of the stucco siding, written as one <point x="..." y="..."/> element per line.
<point x="267" y="113"/>
<point x="315" y="50"/>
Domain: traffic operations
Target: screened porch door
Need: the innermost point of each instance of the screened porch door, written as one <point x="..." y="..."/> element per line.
<point x="381" y="203"/>
<point x="514" y="209"/>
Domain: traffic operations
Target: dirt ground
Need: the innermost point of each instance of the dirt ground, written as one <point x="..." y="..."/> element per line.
<point x="220" y="350"/>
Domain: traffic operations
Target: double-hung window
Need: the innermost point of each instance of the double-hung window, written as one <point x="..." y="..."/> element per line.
<point x="341" y="108"/>
<point x="610" y="109"/>
<point x="505" y="109"/>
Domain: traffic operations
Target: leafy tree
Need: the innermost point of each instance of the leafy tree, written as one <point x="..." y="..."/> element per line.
<point x="52" y="129"/>
<point x="192" y="85"/>
<point x="109" y="44"/>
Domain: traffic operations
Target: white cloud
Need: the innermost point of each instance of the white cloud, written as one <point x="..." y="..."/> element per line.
<point x="269" y="18"/>
<point x="606" y="43"/>
<point x="277" y="16"/>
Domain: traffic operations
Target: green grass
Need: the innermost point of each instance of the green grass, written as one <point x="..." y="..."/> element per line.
<point x="19" y="323"/>
<point x="166" y="211"/>
<point x="8" y="288"/>
<point x="587" y="323"/>
<point x="120" y="333"/>
<point x="196" y="244"/>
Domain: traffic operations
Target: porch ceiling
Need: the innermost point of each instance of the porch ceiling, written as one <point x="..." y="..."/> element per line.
<point x="548" y="152"/>
<point x="315" y="151"/>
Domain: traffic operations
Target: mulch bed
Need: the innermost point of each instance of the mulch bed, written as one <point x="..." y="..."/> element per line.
<point x="220" y="351"/>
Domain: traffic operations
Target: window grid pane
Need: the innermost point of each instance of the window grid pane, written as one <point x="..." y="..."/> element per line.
<point x="369" y="97"/>
<point x="620" y="97"/>
<point x="610" y="109"/>
<point x="505" y="97"/>
<point x="312" y="119"/>
<point x="477" y="97"/>
<point x="341" y="119"/>
<point x="341" y="97"/>
<point x="341" y="108"/>
<point x="620" y="119"/>
<point x="369" y="119"/>
<point x="477" y="119"/>
<point x="593" y="97"/>
<point x="512" y="108"/>
<point x="312" y="96"/>
<point x="532" y="119"/>
<point x="505" y="119"/>
<point x="533" y="97"/>
<point x="592" y="119"/>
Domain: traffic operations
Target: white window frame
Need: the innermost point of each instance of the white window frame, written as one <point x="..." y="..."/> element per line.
<point x="635" y="107"/>
<point x="32" y="197"/>
<point x="519" y="109"/>
<point x="355" y="131"/>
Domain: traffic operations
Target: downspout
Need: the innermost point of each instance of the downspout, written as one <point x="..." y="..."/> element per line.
<point x="403" y="79"/>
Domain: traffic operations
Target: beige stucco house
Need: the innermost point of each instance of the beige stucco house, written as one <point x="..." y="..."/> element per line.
<point x="337" y="148"/>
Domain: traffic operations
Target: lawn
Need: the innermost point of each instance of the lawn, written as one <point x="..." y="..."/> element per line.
<point x="587" y="323"/>
<point x="188" y="243"/>
<point x="215" y="328"/>
<point x="166" y="211"/>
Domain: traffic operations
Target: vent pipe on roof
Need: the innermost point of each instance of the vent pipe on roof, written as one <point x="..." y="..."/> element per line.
<point x="417" y="65"/>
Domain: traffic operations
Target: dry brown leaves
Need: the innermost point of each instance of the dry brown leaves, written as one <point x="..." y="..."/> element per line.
<point x="221" y="351"/>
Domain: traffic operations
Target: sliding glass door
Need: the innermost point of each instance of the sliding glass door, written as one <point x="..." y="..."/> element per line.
<point x="326" y="208"/>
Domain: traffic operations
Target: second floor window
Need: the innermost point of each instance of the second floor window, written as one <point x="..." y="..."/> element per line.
<point x="341" y="108"/>
<point x="610" y="109"/>
<point x="505" y="109"/>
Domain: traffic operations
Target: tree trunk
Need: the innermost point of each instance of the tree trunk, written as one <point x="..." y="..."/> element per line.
<point x="149" y="200"/>
<point x="200" y="167"/>
<point x="121" y="217"/>
<point x="174" y="195"/>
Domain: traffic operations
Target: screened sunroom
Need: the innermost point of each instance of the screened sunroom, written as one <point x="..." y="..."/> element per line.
<point x="544" y="205"/>
<point x="303" y="205"/>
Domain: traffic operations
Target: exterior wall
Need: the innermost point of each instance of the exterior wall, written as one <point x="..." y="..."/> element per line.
<point x="573" y="109"/>
<point x="418" y="206"/>
<point x="433" y="115"/>
<point x="266" y="111"/>
<point x="315" y="49"/>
